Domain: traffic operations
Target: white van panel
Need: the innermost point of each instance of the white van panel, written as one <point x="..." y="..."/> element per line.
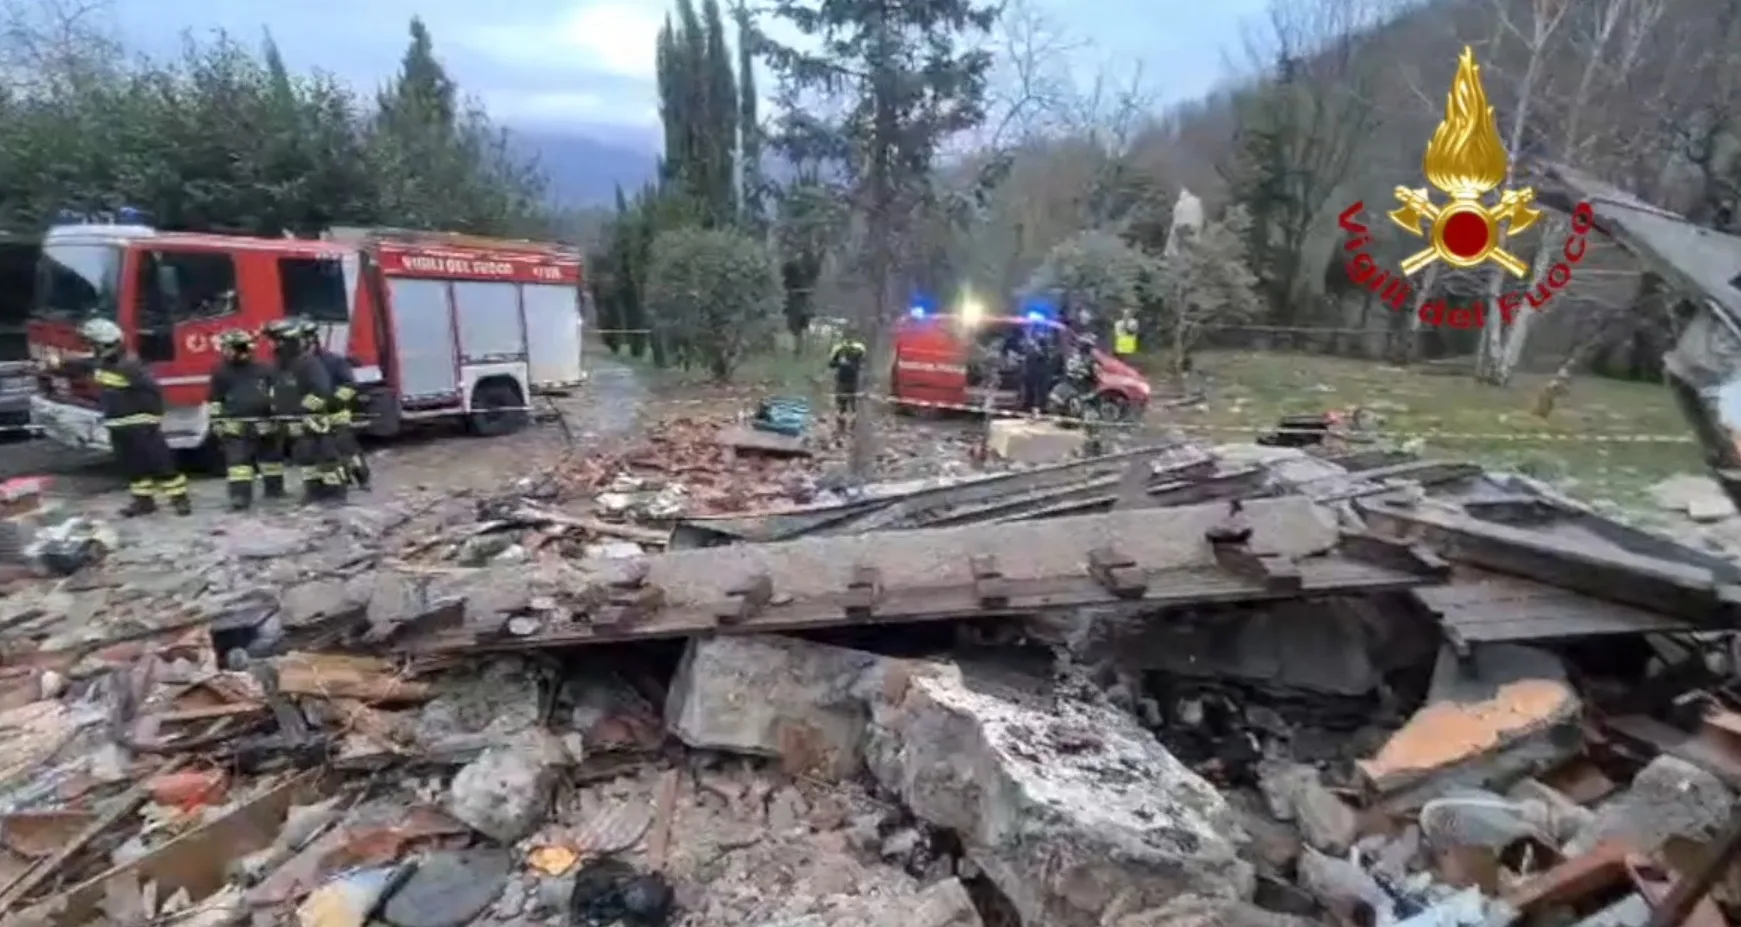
<point x="488" y="316"/>
<point x="423" y="339"/>
<point x="553" y="329"/>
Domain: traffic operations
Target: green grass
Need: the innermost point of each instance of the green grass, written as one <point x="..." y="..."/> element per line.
<point x="1255" y="389"/>
<point x="1250" y="391"/>
<point x="774" y="371"/>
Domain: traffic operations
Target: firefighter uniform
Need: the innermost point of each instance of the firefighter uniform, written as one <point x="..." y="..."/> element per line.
<point x="847" y="362"/>
<point x="241" y="413"/>
<point x="132" y="404"/>
<point x="1124" y="342"/>
<point x="346" y="402"/>
<point x="302" y="398"/>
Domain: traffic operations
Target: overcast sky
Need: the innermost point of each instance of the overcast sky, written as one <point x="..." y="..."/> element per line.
<point x="588" y="64"/>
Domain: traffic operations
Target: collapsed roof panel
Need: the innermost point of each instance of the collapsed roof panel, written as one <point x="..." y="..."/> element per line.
<point x="1698" y="260"/>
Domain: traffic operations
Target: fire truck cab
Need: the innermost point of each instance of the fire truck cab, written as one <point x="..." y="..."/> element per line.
<point x="436" y="325"/>
<point x="953" y="361"/>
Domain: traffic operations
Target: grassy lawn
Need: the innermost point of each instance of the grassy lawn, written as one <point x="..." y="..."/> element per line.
<point x="775" y="371"/>
<point x="1248" y="389"/>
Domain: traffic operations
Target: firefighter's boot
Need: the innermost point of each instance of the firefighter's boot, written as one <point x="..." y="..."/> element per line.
<point x="334" y="492"/>
<point x="359" y="471"/>
<point x="272" y="486"/>
<point x="139" y="505"/>
<point x="181" y="503"/>
<point x="241" y="495"/>
<point x="313" y="491"/>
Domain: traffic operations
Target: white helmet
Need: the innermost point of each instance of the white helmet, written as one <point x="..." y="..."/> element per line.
<point x="101" y="333"/>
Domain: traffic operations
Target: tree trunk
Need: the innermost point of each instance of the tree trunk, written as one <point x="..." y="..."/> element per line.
<point x="1622" y="322"/>
<point x="1515" y="337"/>
<point x="1411" y="347"/>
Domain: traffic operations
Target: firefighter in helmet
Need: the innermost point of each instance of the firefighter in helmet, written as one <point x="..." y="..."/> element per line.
<point x="346" y="402"/>
<point x="847" y="361"/>
<point x="302" y="398"/>
<point x="241" y="414"/>
<point x="132" y="403"/>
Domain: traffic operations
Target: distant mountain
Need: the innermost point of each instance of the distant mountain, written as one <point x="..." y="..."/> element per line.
<point x="584" y="170"/>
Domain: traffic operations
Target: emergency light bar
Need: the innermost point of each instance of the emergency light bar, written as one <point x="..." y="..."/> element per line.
<point x="126" y="215"/>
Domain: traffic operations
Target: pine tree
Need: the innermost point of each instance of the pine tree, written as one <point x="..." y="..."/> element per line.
<point x="719" y="192"/>
<point x="749" y="125"/>
<point x="909" y="86"/>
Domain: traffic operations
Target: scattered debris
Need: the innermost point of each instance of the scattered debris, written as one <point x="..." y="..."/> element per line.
<point x="1170" y="685"/>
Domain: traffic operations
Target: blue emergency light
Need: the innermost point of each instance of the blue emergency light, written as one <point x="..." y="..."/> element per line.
<point x="921" y="307"/>
<point x="125" y="215"/>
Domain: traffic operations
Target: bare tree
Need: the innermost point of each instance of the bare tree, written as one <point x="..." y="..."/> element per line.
<point x="48" y="42"/>
<point x="1614" y="34"/>
<point x="1302" y="131"/>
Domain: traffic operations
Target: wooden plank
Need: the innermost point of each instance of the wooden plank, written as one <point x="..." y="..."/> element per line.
<point x="197" y="859"/>
<point x="1190" y="586"/>
<point x="1652" y="583"/>
<point x="1487" y="607"/>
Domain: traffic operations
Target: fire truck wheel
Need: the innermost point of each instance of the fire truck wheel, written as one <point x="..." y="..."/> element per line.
<point x="497" y="408"/>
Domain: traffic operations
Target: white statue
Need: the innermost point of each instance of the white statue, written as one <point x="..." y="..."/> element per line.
<point x="1187" y="214"/>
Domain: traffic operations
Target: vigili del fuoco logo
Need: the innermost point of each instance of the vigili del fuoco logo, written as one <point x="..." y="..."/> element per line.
<point x="1465" y="161"/>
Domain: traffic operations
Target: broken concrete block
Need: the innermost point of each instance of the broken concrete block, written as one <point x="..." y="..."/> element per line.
<point x="1325" y="821"/>
<point x="1064" y="806"/>
<point x="1025" y="442"/>
<point x="1698" y="496"/>
<point x="941" y="904"/>
<point x="1503" y="714"/>
<point x="1197" y="911"/>
<point x="775" y="696"/>
<point x="1668" y="798"/>
<point x="1480" y="819"/>
<point x="505" y="793"/>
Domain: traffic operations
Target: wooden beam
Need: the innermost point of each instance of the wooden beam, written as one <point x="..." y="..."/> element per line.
<point x="1165" y="589"/>
<point x="1605" y="572"/>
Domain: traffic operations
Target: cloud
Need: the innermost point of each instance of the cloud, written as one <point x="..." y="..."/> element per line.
<point x="615" y="37"/>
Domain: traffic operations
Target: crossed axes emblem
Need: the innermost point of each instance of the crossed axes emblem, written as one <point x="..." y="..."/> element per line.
<point x="1417" y="207"/>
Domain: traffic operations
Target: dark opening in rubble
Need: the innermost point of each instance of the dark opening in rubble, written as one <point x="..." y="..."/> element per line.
<point x="994" y="907"/>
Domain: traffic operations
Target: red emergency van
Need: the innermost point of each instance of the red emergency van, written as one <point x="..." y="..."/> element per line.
<point x="437" y="325"/>
<point x="946" y="360"/>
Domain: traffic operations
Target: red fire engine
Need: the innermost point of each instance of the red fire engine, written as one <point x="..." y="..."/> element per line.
<point x="438" y="325"/>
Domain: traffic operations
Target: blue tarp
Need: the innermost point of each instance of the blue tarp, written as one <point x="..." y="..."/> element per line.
<point x="785" y="415"/>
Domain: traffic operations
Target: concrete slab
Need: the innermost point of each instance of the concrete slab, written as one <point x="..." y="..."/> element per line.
<point x="1072" y="809"/>
<point x="1029" y="442"/>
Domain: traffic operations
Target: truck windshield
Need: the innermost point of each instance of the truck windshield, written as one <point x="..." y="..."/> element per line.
<point x="76" y="282"/>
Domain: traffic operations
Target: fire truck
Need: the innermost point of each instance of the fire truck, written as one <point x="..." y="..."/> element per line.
<point x="437" y="325"/>
<point x="948" y="360"/>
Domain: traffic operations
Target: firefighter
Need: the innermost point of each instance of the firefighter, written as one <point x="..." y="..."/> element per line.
<point x="241" y="411"/>
<point x="1036" y="372"/>
<point x="1081" y="377"/>
<point x="847" y="362"/>
<point x="302" y="399"/>
<point x="1124" y="342"/>
<point x="346" y="402"/>
<point x="133" y="413"/>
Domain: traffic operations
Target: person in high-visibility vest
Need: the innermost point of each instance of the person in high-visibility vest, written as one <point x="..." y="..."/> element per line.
<point x="1124" y="336"/>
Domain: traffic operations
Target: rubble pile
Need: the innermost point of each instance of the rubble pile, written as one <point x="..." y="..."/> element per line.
<point x="1273" y="687"/>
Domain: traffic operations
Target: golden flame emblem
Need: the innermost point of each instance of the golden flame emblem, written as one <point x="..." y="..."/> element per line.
<point x="1465" y="160"/>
